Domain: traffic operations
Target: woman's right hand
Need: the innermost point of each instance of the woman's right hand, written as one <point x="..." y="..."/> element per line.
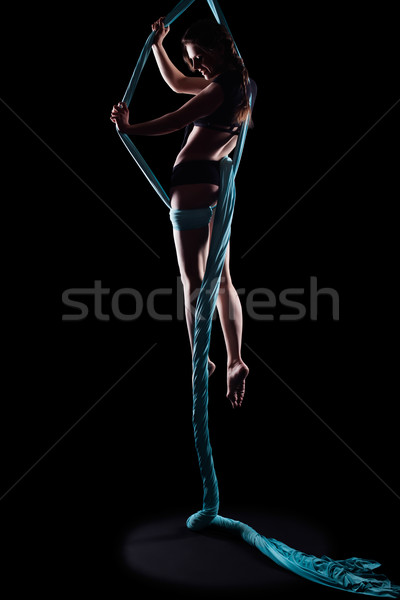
<point x="161" y="31"/>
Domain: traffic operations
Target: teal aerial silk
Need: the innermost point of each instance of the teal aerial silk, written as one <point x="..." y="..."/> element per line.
<point x="353" y="574"/>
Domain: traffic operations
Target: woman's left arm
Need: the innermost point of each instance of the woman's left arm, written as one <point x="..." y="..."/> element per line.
<point x="205" y="103"/>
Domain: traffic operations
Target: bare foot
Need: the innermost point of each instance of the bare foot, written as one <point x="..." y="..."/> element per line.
<point x="211" y="367"/>
<point x="236" y="377"/>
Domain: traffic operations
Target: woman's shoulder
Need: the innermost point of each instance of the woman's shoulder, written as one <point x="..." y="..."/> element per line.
<point x="230" y="81"/>
<point x="233" y="78"/>
<point x="230" y="76"/>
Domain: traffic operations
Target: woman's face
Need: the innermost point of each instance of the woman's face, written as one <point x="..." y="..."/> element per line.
<point x="208" y="63"/>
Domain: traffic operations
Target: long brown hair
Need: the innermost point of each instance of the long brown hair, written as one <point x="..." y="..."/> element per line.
<point x="211" y="36"/>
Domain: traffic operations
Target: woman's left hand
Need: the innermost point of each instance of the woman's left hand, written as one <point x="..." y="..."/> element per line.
<point x="120" y="116"/>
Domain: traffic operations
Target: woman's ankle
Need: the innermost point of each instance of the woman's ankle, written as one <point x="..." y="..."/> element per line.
<point x="234" y="361"/>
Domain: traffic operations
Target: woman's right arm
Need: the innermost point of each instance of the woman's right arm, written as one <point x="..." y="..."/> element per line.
<point x="176" y="80"/>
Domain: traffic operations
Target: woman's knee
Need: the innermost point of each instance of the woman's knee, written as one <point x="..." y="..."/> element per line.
<point x="226" y="284"/>
<point x="191" y="284"/>
<point x="192" y="271"/>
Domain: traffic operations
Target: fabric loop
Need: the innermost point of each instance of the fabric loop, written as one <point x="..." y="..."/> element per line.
<point x="183" y="219"/>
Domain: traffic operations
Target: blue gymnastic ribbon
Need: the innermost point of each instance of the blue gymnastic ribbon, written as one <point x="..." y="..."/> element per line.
<point x="353" y="574"/>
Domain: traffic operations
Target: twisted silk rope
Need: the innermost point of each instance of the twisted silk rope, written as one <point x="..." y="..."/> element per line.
<point x="353" y="574"/>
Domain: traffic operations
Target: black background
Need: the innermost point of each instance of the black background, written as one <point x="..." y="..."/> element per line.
<point x="325" y="77"/>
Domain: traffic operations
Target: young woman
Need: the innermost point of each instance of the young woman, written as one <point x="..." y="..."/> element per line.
<point x="212" y="119"/>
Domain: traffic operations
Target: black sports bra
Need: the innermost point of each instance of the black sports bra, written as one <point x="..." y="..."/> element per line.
<point x="223" y="119"/>
<point x="233" y="129"/>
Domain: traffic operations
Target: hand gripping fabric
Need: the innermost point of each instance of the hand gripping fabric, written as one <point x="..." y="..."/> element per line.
<point x="353" y="574"/>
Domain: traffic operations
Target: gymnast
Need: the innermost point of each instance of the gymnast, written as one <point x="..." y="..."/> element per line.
<point x="216" y="122"/>
<point x="212" y="120"/>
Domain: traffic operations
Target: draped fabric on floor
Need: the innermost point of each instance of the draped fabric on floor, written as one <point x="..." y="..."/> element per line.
<point x="353" y="574"/>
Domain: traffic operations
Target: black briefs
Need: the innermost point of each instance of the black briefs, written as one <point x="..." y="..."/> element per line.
<point x="195" y="171"/>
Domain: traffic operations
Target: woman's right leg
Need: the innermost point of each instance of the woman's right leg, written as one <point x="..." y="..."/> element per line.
<point x="192" y="248"/>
